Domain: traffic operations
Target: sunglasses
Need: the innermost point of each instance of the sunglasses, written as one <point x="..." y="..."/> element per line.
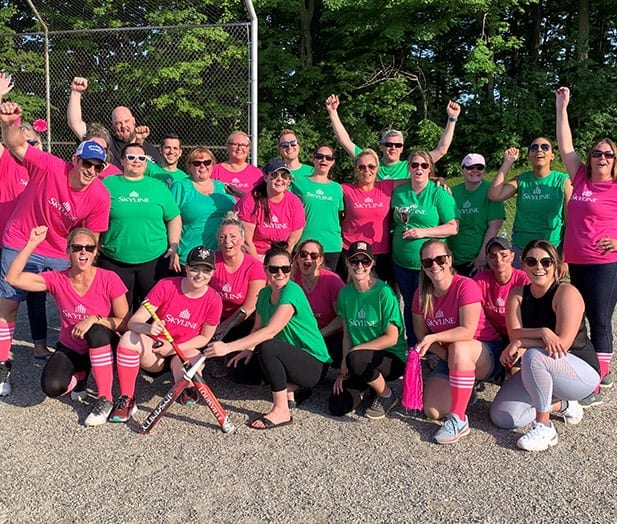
<point x="197" y="163"/>
<point x="97" y="167"/>
<point x="534" y="147"/>
<point x="365" y="167"/>
<point x="596" y="153"/>
<point x="365" y="261"/>
<point x="289" y="143"/>
<point x="32" y="141"/>
<point x="238" y="145"/>
<point x="321" y="156"/>
<point x="479" y="167"/>
<point x="275" y="269"/>
<point x="283" y="174"/>
<point x="441" y="260"/>
<point x="416" y="165"/>
<point x="304" y="254"/>
<point x="140" y="158"/>
<point x="398" y="145"/>
<point x="76" y="248"/>
<point x="546" y="262"/>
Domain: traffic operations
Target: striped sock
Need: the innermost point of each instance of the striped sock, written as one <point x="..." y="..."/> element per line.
<point x="605" y="363"/>
<point x="461" y="388"/>
<point x="6" y="339"/>
<point x="127" y="361"/>
<point x="102" y="361"/>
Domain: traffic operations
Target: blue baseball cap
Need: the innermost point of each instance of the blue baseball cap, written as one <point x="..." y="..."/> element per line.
<point x="276" y="164"/>
<point x="91" y="150"/>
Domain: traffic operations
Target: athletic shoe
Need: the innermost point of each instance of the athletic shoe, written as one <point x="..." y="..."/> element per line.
<point x="188" y="397"/>
<point x="381" y="406"/>
<point x="79" y="392"/>
<point x="538" y="438"/>
<point x="572" y="413"/>
<point x="594" y="399"/>
<point x="123" y="409"/>
<point x="100" y="412"/>
<point x="5" y="373"/>
<point x="452" y="430"/>
<point x="607" y="381"/>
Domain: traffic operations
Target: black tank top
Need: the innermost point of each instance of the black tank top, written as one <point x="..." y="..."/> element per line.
<point x="538" y="313"/>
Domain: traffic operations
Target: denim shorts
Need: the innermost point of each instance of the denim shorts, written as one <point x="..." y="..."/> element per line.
<point x="494" y="348"/>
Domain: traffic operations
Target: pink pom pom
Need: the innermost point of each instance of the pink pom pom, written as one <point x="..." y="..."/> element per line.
<point x="412" y="381"/>
<point x="39" y="125"/>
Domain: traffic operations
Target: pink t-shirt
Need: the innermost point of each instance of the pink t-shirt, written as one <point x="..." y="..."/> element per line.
<point x="184" y="316"/>
<point x="49" y="200"/>
<point x="324" y="295"/>
<point x="286" y="216"/>
<point x="494" y="295"/>
<point x="462" y="291"/>
<point x="74" y="308"/>
<point x="13" y="182"/>
<point x="244" y="180"/>
<point x="367" y="215"/>
<point x="109" y="170"/>
<point x="232" y="287"/>
<point x="592" y="215"/>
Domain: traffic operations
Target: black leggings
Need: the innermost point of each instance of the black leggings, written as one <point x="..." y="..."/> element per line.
<point x="65" y="362"/>
<point x="249" y="373"/>
<point x="283" y="363"/>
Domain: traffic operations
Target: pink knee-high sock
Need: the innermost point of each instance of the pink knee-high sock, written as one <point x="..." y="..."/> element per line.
<point x="102" y="362"/>
<point x="461" y="388"/>
<point x="604" y="360"/>
<point x="127" y="361"/>
<point x="75" y="378"/>
<point x="6" y="339"/>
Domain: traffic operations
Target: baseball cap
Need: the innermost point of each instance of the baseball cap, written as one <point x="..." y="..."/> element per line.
<point x="360" y="247"/>
<point x="200" y="255"/>
<point x="91" y="150"/>
<point x="472" y="159"/>
<point x="276" y="164"/>
<point x="502" y="242"/>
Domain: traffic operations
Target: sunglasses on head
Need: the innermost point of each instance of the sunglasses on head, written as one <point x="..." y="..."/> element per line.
<point x="398" y="145"/>
<point x="596" y="153"/>
<point x="441" y="260"/>
<point x="275" y="269"/>
<point x="140" y="158"/>
<point x="322" y="156"/>
<point x="283" y="174"/>
<point x="365" y="261"/>
<point x="534" y="147"/>
<point x="76" y="248"/>
<point x="288" y="143"/>
<point x="365" y="167"/>
<point x="303" y="254"/>
<point x="416" y="165"/>
<point x="479" y="167"/>
<point x="97" y="167"/>
<point x="32" y="141"/>
<point x="546" y="262"/>
<point x="197" y="163"/>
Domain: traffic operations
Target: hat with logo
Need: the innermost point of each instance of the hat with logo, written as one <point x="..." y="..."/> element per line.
<point x="91" y="150"/>
<point x="276" y="164"/>
<point x="472" y="159"/>
<point x="200" y="255"/>
<point x="360" y="248"/>
<point x="502" y="242"/>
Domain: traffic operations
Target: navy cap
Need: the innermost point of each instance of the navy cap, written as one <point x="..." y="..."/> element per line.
<point x="276" y="164"/>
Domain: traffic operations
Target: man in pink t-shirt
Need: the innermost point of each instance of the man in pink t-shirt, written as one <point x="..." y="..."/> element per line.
<point x="60" y="196"/>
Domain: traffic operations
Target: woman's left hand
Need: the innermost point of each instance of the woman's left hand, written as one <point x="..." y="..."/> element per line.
<point x="606" y="245"/>
<point x="216" y="349"/>
<point x="413" y="233"/>
<point x="425" y="344"/>
<point x="81" y="328"/>
<point x="553" y="344"/>
<point x="244" y="355"/>
<point x="174" y="260"/>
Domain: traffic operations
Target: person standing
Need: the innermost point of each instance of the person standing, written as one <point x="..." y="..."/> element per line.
<point x="236" y="173"/>
<point x="289" y="148"/>
<point x="168" y="172"/>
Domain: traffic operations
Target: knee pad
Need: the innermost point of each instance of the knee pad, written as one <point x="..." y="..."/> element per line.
<point x="56" y="375"/>
<point x="98" y="336"/>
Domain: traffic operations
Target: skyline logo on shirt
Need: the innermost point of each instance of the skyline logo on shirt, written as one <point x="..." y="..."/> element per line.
<point x="79" y="308"/>
<point x="360" y="320"/>
<point x="440" y="320"/>
<point x="63" y="207"/>
<point x="178" y="321"/>
<point x="226" y="288"/>
<point x="368" y="203"/>
<point x="184" y="314"/>
<point x="467" y="209"/>
<point x="75" y="316"/>
<point x="226" y="294"/>
<point x="319" y="195"/>
<point x="585" y="196"/>
<point x="536" y="194"/>
<point x="275" y="223"/>
<point x="133" y="198"/>
<point x="23" y="182"/>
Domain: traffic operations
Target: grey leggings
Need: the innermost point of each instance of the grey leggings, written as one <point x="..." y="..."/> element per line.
<point x="542" y="380"/>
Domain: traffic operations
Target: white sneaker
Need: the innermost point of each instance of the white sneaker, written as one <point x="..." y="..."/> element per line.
<point x="100" y="412"/>
<point x="572" y="413"/>
<point x="5" y="373"/>
<point x="79" y="396"/>
<point x="538" y="438"/>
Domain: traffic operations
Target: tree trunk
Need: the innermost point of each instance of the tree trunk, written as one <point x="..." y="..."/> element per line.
<point x="307" y="11"/>
<point x="582" y="47"/>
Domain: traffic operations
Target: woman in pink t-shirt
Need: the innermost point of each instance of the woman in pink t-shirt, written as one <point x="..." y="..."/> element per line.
<point x="590" y="242"/>
<point x="449" y="322"/>
<point x="93" y="307"/>
<point x="321" y="286"/>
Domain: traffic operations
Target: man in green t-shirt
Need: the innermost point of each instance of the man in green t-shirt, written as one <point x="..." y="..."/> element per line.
<point x="289" y="149"/>
<point x="168" y="172"/>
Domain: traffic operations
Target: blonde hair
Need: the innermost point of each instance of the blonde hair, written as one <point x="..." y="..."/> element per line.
<point x="367" y="152"/>
<point x="427" y="289"/>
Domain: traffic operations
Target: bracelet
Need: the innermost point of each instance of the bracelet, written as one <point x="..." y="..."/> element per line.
<point x="452" y="119"/>
<point x="99" y="318"/>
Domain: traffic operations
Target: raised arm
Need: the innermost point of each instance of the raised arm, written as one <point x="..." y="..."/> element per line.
<point x="499" y="189"/>
<point x="14" y="140"/>
<point x="16" y="276"/>
<point x="342" y="136"/>
<point x="73" y="110"/>
<point x="6" y="84"/>
<point x="564" y="135"/>
<point x="453" y="110"/>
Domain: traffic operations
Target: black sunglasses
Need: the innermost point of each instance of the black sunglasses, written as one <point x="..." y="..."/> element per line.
<point x="290" y="143"/>
<point x="97" y="167"/>
<point x="322" y="156"/>
<point x="596" y="153"/>
<point x="534" y="147"/>
<point x="441" y="260"/>
<point x="283" y="174"/>
<point x="365" y="261"/>
<point x="479" y="167"/>
<point x="275" y="269"/>
<point x="304" y="254"/>
<point x="197" y="163"/>
<point x="32" y="141"/>
<point x="398" y="145"/>
<point x="76" y="248"/>
<point x="416" y="165"/>
<point x="546" y="262"/>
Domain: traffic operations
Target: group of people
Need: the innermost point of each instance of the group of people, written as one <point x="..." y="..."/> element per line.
<point x="351" y="276"/>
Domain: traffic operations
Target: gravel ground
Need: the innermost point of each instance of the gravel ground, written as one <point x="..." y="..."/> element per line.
<point x="319" y="469"/>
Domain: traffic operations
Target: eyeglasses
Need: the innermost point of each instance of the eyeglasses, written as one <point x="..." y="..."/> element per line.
<point x="313" y="255"/>
<point x="97" y="167"/>
<point x="288" y="143"/>
<point x="546" y="262"/>
<point x="534" y="147"/>
<point x="140" y="158"/>
<point x="32" y="141"/>
<point x="76" y="248"/>
<point x="197" y="163"/>
<point x="365" y="261"/>
<point x="275" y="269"/>
<point x="397" y="145"/>
<point x="596" y="153"/>
<point x="283" y="174"/>
<point x="201" y="269"/>
<point x="321" y="156"/>
<point x="365" y="167"/>
<point x="441" y="260"/>
<point x="238" y="145"/>
<point x="416" y="165"/>
<point x="479" y="167"/>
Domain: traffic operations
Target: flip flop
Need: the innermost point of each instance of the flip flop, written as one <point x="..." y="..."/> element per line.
<point x="268" y="424"/>
<point x="299" y="396"/>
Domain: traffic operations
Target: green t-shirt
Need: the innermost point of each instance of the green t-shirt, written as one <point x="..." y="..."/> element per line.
<point x="475" y="212"/>
<point x="368" y="314"/>
<point x="539" y="208"/>
<point x="397" y="171"/>
<point x="303" y="170"/>
<point x="139" y="212"/>
<point x="301" y="330"/>
<point x="432" y="207"/>
<point x="167" y="177"/>
<point x="322" y="204"/>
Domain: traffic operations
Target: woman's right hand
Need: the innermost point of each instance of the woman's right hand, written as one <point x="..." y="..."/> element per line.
<point x="156" y="328"/>
<point x="562" y="97"/>
<point x="332" y="103"/>
<point x="511" y="155"/>
<point x="37" y="235"/>
<point x="343" y="375"/>
<point x="510" y="354"/>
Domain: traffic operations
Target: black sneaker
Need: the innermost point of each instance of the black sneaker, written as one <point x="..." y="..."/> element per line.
<point x="381" y="406"/>
<point x="5" y="373"/>
<point x="607" y="381"/>
<point x="100" y="412"/>
<point x="595" y="399"/>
